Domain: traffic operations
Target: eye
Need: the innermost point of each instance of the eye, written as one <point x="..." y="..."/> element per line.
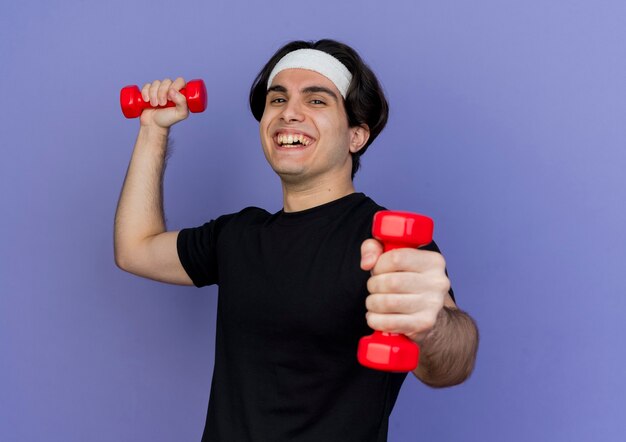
<point x="278" y="100"/>
<point x="317" y="101"/>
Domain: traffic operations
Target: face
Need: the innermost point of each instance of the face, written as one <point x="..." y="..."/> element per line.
<point x="304" y="129"/>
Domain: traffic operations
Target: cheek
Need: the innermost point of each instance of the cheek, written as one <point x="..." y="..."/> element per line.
<point x="340" y="135"/>
<point x="264" y="121"/>
<point x="330" y="124"/>
<point x="264" y="125"/>
<point x="267" y="116"/>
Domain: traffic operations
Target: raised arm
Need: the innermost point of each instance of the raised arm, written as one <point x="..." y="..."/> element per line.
<point x="142" y="244"/>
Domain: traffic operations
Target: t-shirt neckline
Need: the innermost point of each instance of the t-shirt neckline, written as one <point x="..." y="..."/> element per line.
<point x="323" y="210"/>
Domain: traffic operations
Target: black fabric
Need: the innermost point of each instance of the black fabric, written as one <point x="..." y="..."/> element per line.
<point x="291" y="310"/>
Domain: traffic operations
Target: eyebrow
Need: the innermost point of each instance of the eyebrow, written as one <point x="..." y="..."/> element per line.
<point x="277" y="88"/>
<point x="306" y="90"/>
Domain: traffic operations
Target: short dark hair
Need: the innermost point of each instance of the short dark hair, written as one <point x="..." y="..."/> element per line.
<point x="365" y="101"/>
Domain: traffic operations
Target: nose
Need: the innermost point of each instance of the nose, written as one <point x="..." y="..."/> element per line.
<point x="292" y="111"/>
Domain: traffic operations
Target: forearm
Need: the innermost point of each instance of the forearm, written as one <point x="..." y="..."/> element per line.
<point x="448" y="352"/>
<point x="139" y="212"/>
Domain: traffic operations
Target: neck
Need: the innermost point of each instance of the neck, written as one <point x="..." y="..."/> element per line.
<point x="298" y="197"/>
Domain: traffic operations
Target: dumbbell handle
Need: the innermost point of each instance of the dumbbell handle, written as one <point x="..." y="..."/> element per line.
<point x="132" y="102"/>
<point x="392" y="351"/>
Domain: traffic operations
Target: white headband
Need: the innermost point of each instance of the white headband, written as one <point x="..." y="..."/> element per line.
<point x="318" y="61"/>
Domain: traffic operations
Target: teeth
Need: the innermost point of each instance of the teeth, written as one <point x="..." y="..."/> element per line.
<point x="287" y="139"/>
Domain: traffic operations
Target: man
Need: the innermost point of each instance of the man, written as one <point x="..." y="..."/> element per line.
<point x="298" y="288"/>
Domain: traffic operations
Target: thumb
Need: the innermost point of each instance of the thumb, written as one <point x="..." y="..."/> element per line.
<point x="176" y="97"/>
<point x="370" y="252"/>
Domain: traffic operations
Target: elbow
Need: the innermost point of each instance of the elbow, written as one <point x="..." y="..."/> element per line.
<point x="125" y="254"/>
<point x="122" y="259"/>
<point x="121" y="262"/>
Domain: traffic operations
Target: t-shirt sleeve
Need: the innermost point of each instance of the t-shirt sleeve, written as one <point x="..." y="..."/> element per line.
<point x="197" y="251"/>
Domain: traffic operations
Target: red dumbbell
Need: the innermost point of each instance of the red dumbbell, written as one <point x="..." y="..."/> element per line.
<point x="392" y="351"/>
<point x="132" y="103"/>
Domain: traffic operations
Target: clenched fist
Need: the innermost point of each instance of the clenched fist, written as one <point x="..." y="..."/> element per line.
<point x="158" y="93"/>
<point x="408" y="287"/>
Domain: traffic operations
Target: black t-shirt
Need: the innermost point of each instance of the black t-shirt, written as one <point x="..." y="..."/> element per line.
<point x="291" y="310"/>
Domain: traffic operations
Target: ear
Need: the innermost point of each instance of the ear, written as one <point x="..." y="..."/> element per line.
<point x="358" y="137"/>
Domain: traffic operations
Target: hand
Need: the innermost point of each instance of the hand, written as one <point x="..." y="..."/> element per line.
<point x="408" y="288"/>
<point x="158" y="93"/>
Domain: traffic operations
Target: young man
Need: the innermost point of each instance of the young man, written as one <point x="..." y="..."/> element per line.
<point x="298" y="288"/>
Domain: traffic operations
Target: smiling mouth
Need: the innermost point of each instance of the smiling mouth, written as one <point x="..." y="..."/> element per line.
<point x="292" y="140"/>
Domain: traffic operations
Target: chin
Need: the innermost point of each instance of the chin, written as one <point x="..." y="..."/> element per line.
<point x="291" y="176"/>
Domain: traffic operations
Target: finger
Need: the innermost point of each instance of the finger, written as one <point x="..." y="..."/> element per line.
<point x="399" y="323"/>
<point x="153" y="91"/>
<point x="393" y="303"/>
<point x="179" y="83"/>
<point x="409" y="282"/>
<point x="145" y="92"/>
<point x="409" y="260"/>
<point x="371" y="250"/>
<point x="403" y="303"/>
<point x="162" y="93"/>
<point x="179" y="99"/>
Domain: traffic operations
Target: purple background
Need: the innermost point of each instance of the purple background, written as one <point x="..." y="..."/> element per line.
<point x="507" y="126"/>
